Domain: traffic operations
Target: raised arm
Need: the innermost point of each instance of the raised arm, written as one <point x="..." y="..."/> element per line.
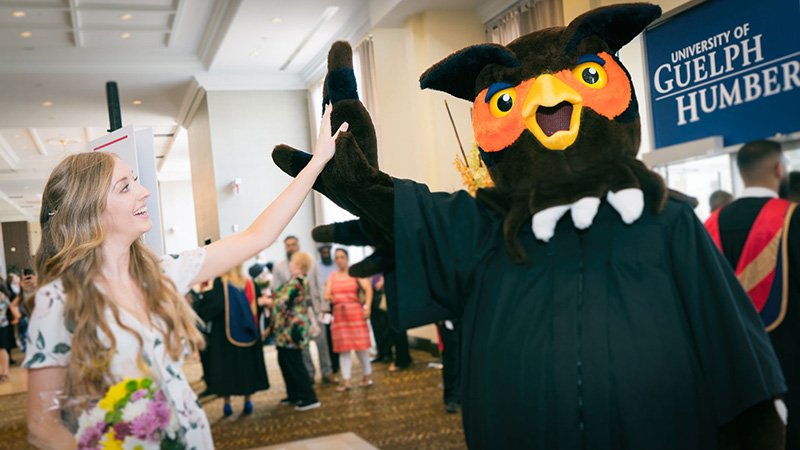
<point x="234" y="250"/>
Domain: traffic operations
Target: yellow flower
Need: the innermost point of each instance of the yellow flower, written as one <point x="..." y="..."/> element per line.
<point x="114" y="395"/>
<point x="111" y="443"/>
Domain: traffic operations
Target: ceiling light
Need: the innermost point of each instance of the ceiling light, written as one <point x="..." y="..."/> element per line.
<point x="137" y="102"/>
<point x="26" y="187"/>
<point x="126" y="16"/>
<point x="253" y="55"/>
<point x="276" y="20"/>
<point x="125" y="35"/>
<point x="47" y="103"/>
<point x="25" y="33"/>
<point x="18" y="14"/>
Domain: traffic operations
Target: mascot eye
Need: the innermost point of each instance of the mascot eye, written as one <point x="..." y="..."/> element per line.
<point x="591" y="74"/>
<point x="502" y="102"/>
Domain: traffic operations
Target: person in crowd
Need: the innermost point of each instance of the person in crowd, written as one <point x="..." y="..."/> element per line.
<point x="379" y="319"/>
<point x="794" y="187"/>
<point x="13" y="315"/>
<point x="5" y="344"/>
<point x="280" y="275"/>
<point x="235" y="355"/>
<point x="759" y="234"/>
<point x="262" y="279"/>
<point x="293" y="322"/>
<point x="719" y="199"/>
<point x="326" y="267"/>
<point x="101" y="288"/>
<point x="450" y="335"/>
<point x="349" y="330"/>
<point x="385" y="336"/>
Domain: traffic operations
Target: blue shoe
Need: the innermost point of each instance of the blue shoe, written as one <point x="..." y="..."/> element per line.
<point x="248" y="408"/>
<point x="227" y="410"/>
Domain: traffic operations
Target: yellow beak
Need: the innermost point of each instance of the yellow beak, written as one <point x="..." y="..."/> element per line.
<point x="543" y="108"/>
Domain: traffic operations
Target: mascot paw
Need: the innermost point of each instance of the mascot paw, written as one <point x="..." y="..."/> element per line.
<point x="583" y="212"/>
<point x="629" y="203"/>
<point x="544" y="222"/>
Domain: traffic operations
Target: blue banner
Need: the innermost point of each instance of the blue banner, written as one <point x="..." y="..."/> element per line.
<point x="727" y="68"/>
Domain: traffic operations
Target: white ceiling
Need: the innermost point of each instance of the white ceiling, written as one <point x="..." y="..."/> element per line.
<point x="76" y="46"/>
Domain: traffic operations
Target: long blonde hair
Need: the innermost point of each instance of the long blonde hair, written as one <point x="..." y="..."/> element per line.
<point x="236" y="277"/>
<point x="73" y="204"/>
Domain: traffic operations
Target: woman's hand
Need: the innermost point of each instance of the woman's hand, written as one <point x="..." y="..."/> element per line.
<point x="264" y="301"/>
<point x="326" y="143"/>
<point x="367" y="313"/>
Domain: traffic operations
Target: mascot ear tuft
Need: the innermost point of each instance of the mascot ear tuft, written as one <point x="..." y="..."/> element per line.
<point x="616" y="25"/>
<point x="457" y="73"/>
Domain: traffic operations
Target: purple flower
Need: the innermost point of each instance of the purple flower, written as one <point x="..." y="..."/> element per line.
<point x="161" y="412"/>
<point x="159" y="396"/>
<point x="138" y="395"/>
<point x="144" y="426"/>
<point x="91" y="436"/>
<point x="122" y="430"/>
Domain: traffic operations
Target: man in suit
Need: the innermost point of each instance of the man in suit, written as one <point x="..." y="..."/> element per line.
<point x="759" y="234"/>
<point x="280" y="275"/>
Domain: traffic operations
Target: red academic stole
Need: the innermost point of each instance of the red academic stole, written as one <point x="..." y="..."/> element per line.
<point x="763" y="266"/>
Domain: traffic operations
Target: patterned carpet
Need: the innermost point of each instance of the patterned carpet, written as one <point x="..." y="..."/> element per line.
<point x="402" y="410"/>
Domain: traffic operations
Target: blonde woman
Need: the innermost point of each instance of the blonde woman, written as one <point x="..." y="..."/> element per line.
<point x="235" y="355"/>
<point x="293" y="325"/>
<point x="108" y="308"/>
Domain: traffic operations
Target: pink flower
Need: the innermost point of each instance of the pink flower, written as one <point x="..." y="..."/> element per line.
<point x="138" y="395"/>
<point x="161" y="413"/>
<point x="144" y="426"/>
<point x="91" y="437"/>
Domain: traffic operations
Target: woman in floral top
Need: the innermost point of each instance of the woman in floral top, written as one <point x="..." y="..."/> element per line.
<point x="292" y="326"/>
<point x="108" y="308"/>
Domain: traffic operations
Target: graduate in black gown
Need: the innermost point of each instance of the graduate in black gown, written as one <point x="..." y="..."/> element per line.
<point x="596" y="313"/>
<point x="745" y="223"/>
<point x="235" y="358"/>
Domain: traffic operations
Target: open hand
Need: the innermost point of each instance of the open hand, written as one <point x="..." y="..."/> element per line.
<point x="326" y="143"/>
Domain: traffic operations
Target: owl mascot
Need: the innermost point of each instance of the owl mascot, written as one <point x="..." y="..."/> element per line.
<point x="597" y="312"/>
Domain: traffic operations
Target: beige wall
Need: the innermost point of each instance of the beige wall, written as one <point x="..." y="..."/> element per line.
<point x="202" y="162"/>
<point x="177" y="216"/>
<point x="245" y="127"/>
<point x="416" y="138"/>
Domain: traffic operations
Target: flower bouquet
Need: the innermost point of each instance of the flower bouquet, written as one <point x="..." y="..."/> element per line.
<point x="133" y="415"/>
<point x="473" y="173"/>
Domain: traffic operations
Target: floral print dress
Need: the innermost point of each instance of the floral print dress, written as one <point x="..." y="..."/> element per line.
<point x="289" y="314"/>
<point x="50" y="339"/>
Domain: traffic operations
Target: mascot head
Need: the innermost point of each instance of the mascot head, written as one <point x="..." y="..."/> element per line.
<point x="554" y="114"/>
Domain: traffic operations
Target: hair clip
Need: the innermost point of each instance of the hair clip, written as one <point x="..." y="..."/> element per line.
<point x="51" y="214"/>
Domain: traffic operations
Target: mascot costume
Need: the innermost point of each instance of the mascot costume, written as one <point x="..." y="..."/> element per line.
<point x="597" y="312"/>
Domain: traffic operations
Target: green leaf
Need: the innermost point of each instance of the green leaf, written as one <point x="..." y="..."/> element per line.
<point x="40" y="341"/>
<point x="61" y="348"/>
<point x="131" y="385"/>
<point x="146" y="383"/>
<point x="158" y="342"/>
<point x="37" y="358"/>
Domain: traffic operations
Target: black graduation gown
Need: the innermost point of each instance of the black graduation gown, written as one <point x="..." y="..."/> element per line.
<point x="232" y="370"/>
<point x="635" y="337"/>
<point x="735" y="221"/>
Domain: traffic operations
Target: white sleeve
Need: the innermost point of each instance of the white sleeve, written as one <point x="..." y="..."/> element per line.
<point x="183" y="267"/>
<point x="48" y="341"/>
